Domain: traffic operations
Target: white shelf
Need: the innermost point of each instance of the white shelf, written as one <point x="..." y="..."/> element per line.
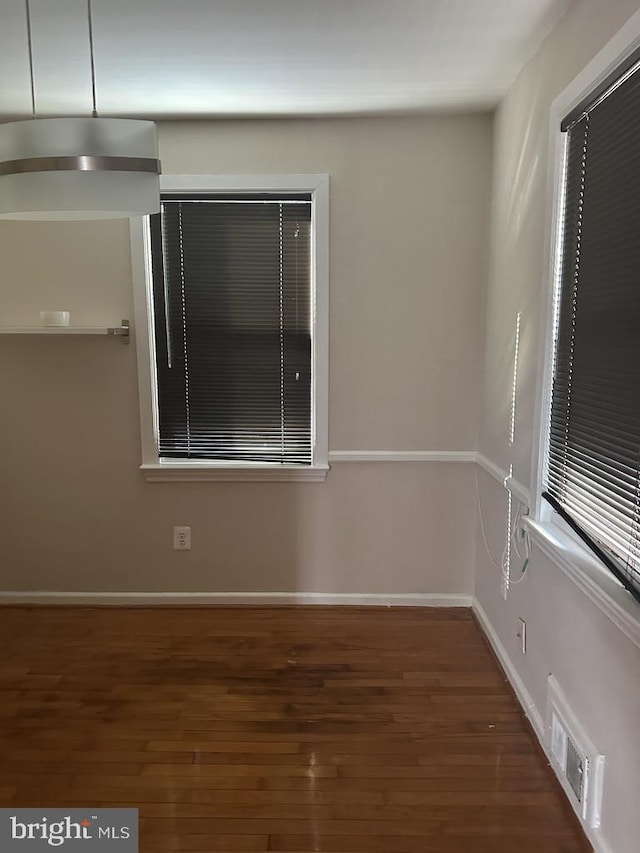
<point x="121" y="331"/>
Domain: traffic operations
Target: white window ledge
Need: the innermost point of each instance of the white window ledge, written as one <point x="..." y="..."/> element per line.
<point x="166" y="472"/>
<point x="590" y="575"/>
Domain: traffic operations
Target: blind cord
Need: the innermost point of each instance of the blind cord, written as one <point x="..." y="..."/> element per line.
<point x="517" y="528"/>
<point x="482" y="527"/>
<point x="522" y="511"/>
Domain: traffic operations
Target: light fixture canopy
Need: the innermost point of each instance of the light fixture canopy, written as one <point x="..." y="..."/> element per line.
<point x="77" y="168"/>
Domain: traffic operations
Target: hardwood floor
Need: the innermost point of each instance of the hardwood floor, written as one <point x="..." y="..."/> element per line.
<point x="306" y="729"/>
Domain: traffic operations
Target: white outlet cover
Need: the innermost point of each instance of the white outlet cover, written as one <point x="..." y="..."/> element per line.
<point x="182" y="538"/>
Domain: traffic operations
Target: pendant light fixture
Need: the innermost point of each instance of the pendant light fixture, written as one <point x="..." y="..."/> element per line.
<point x="77" y="168"/>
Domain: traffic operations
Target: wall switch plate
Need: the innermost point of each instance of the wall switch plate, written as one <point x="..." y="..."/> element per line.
<point x="522" y="634"/>
<point x="182" y="538"/>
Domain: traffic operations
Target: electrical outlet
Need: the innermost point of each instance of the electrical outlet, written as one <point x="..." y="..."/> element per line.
<point x="182" y="538"/>
<point x="522" y="635"/>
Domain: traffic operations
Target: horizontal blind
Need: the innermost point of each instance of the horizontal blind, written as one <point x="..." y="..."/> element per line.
<point x="232" y="294"/>
<point x="594" y="438"/>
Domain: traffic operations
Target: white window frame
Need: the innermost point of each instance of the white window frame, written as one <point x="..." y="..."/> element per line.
<point x="550" y="532"/>
<point x="153" y="468"/>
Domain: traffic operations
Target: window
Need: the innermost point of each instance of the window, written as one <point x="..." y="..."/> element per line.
<point x="236" y="314"/>
<point x="593" y="453"/>
<point x="231" y="295"/>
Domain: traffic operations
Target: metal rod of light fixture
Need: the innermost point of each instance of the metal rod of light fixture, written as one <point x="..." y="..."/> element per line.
<point x="94" y="112"/>
<point x="72" y="168"/>
<point x="30" y="51"/>
<point x="80" y="162"/>
<point x="92" y="60"/>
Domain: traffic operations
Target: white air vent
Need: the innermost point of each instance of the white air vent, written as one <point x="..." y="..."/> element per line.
<point x="576" y="761"/>
<point x="576" y="771"/>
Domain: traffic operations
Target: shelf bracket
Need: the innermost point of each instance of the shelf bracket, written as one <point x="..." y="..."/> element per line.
<point x="121" y="331"/>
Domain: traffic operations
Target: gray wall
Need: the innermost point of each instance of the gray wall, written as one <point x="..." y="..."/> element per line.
<point x="409" y="228"/>
<point x="596" y="665"/>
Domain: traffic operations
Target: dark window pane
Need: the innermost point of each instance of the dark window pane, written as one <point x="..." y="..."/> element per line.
<point x="232" y="294"/>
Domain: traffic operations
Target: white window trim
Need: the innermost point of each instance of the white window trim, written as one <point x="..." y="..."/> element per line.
<point x="156" y="471"/>
<point x="558" y="541"/>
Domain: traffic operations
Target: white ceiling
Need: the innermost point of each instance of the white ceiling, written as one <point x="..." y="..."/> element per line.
<point x="210" y="58"/>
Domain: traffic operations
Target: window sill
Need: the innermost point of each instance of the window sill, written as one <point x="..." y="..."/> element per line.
<point x="587" y="572"/>
<point x="227" y="472"/>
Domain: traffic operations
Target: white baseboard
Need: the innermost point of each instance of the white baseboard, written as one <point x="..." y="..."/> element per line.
<point x="524" y="697"/>
<point x="600" y="845"/>
<point x="265" y="599"/>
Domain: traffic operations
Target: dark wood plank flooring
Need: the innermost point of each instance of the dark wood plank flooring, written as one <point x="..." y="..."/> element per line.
<point x="304" y="729"/>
